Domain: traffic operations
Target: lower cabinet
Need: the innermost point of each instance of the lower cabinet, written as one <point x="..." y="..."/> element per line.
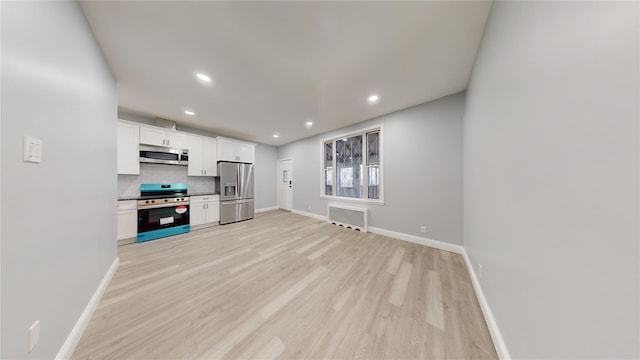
<point x="127" y="219"/>
<point x="204" y="210"/>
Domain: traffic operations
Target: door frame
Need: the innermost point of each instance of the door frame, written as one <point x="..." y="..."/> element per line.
<point x="278" y="181"/>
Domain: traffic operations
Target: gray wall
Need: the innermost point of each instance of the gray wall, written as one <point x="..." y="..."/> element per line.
<point x="265" y="168"/>
<point x="265" y="181"/>
<point x="422" y="152"/>
<point x="58" y="217"/>
<point x="551" y="176"/>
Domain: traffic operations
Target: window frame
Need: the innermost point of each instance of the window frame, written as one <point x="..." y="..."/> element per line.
<point x="365" y="173"/>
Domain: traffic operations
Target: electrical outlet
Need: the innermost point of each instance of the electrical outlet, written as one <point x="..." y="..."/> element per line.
<point x="480" y="271"/>
<point x="34" y="335"/>
<point x="423" y="229"/>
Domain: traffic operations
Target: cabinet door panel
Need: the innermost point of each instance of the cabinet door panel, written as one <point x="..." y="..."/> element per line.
<point x="153" y="136"/>
<point x="210" y="157"/>
<point x="128" y="149"/>
<point x="245" y="151"/>
<point x="197" y="214"/>
<point x="213" y="212"/>
<point x="227" y="150"/>
<point x="177" y="140"/>
<point x="127" y="224"/>
<point x="196" y="151"/>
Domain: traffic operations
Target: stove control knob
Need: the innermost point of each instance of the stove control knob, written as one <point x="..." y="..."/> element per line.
<point x="146" y="202"/>
<point x="165" y="200"/>
<point x="152" y="201"/>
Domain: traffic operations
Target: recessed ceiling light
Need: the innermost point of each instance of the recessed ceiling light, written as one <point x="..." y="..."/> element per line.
<point x="203" y="77"/>
<point x="373" y="99"/>
<point x="276" y="135"/>
<point x="309" y="123"/>
<point x="189" y="112"/>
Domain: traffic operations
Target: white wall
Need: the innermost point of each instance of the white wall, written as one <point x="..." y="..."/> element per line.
<point x="422" y="151"/>
<point x="551" y="176"/>
<point x="58" y="217"/>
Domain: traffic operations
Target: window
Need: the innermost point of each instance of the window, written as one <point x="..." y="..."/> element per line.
<point x="328" y="168"/>
<point x="356" y="159"/>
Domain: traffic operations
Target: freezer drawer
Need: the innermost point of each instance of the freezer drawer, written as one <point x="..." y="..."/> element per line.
<point x="237" y="210"/>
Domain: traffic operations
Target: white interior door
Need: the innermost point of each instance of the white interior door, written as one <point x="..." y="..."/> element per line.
<point x="285" y="184"/>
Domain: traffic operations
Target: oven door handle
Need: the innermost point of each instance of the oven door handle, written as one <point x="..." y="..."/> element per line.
<point x="161" y="206"/>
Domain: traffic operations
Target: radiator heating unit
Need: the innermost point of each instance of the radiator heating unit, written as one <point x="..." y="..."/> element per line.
<point x="350" y="217"/>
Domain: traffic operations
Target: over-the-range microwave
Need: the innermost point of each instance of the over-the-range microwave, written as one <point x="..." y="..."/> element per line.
<point x="163" y="155"/>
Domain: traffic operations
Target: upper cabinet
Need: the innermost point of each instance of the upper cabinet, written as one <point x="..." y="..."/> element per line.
<point x="163" y="137"/>
<point x="234" y="150"/>
<point x="128" y="151"/>
<point x="203" y="156"/>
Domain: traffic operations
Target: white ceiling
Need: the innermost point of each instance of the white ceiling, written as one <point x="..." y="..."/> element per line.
<point x="277" y="65"/>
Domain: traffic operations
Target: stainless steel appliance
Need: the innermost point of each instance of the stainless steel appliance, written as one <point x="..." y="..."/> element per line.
<point x="236" y="191"/>
<point x="163" y="155"/>
<point x="163" y="210"/>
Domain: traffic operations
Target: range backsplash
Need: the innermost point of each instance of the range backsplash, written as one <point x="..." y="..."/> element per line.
<point x="129" y="185"/>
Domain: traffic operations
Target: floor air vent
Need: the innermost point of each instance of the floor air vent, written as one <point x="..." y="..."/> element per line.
<point x="348" y="216"/>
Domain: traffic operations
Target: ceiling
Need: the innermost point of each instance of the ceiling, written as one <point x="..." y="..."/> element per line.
<point x="277" y="65"/>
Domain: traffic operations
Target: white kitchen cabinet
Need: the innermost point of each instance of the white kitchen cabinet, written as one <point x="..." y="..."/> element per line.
<point x="203" y="156"/>
<point x="204" y="210"/>
<point x="127" y="219"/>
<point x="177" y="140"/>
<point x="157" y="136"/>
<point x="234" y="150"/>
<point x="128" y="149"/>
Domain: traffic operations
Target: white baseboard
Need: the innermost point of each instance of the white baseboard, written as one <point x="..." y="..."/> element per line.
<point x="418" y="240"/>
<point x="266" y="209"/>
<point x="311" y="215"/>
<point x="397" y="235"/>
<point x="76" y="333"/>
<point x="494" y="331"/>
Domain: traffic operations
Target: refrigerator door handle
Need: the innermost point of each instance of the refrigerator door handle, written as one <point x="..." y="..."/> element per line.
<point x="239" y="193"/>
<point x="235" y="202"/>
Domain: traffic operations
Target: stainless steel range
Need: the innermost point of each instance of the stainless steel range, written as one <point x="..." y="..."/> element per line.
<point x="163" y="210"/>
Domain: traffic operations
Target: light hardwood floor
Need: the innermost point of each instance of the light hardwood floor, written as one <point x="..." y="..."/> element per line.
<point x="290" y="287"/>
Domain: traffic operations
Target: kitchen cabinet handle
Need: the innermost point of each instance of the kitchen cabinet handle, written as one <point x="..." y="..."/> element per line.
<point x="167" y="142"/>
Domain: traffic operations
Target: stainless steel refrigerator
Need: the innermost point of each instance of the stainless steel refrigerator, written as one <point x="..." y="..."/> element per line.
<point x="236" y="191"/>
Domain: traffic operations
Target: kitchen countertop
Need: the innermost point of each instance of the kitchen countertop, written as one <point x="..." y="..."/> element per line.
<point x="202" y="193"/>
<point x="137" y="197"/>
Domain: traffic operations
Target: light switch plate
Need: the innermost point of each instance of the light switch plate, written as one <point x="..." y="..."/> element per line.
<point x="34" y="335"/>
<point x="32" y="149"/>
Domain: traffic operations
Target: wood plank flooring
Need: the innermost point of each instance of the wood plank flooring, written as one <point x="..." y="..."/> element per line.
<point x="289" y="287"/>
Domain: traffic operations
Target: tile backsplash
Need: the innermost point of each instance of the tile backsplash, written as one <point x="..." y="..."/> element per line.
<point x="129" y="185"/>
